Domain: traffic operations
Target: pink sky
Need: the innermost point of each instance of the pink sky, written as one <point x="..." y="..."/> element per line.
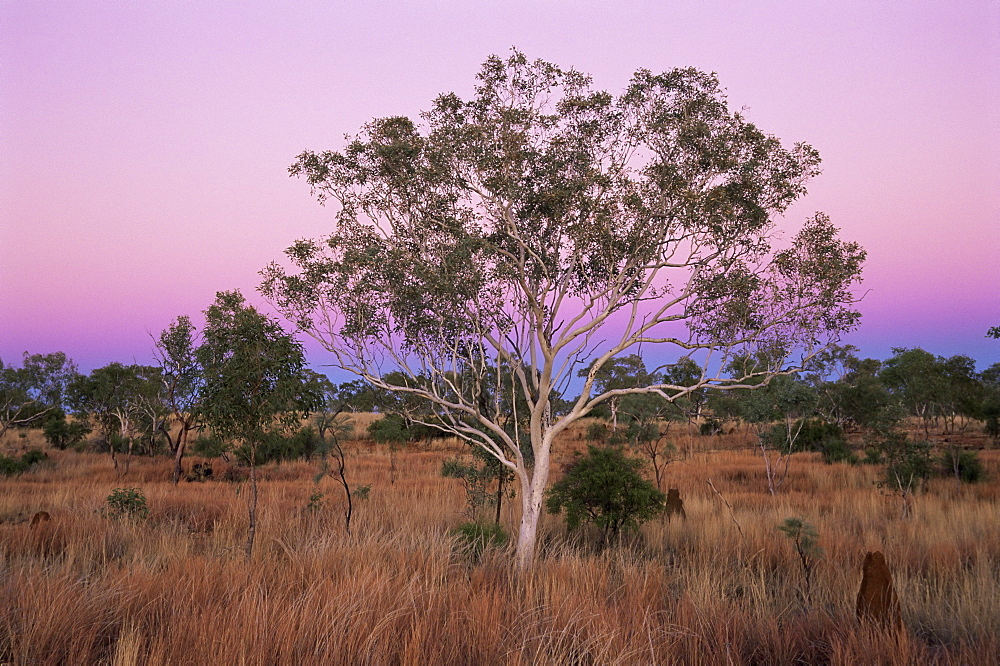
<point x="144" y="146"/>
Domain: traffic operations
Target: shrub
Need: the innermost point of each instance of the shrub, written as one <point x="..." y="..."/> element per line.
<point x="596" y="432"/>
<point x="33" y="457"/>
<point x="361" y="492"/>
<point x="11" y="466"/>
<point x="908" y="463"/>
<point x="475" y="537"/>
<point x="209" y="447"/>
<point x="837" y="450"/>
<point x="62" y="433"/>
<point x="711" y="427"/>
<point x="805" y="540"/>
<point x="964" y="465"/>
<point x="810" y="435"/>
<point x="126" y="503"/>
<point x="606" y="488"/>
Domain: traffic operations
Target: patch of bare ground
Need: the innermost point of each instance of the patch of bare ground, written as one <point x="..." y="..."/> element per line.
<point x="718" y="587"/>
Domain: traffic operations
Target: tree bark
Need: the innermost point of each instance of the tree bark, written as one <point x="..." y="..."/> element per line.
<point x="252" y="531"/>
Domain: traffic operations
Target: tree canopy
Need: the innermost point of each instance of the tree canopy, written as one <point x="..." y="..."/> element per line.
<point x="544" y="226"/>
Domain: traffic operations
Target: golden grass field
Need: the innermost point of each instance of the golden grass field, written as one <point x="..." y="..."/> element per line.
<point x="175" y="589"/>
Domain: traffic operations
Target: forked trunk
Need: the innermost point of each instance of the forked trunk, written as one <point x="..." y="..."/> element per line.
<point x="179" y="454"/>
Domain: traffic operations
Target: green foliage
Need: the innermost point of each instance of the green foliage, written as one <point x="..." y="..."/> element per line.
<point x="316" y="501"/>
<point x="605" y="487"/>
<point x="837" y="450"/>
<point x="805" y="539"/>
<point x="208" y="446"/>
<point x="812" y="434"/>
<point x="391" y="429"/>
<point x="475" y="537"/>
<point x="596" y="432"/>
<point x="62" y="433"/>
<point x="963" y="465"/>
<point x="29" y="392"/>
<point x="362" y="492"/>
<point x="908" y="463"/>
<point x="477" y="476"/>
<point x="710" y="427"/>
<point x="127" y="503"/>
<point x="254" y="385"/>
<point x="11" y="466"/>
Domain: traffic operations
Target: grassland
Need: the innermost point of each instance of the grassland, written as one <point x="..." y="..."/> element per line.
<point x="719" y="587"/>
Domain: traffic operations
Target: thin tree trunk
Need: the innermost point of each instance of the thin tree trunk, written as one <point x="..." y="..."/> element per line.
<point x="252" y="532"/>
<point x="179" y="453"/>
<point x="499" y="496"/>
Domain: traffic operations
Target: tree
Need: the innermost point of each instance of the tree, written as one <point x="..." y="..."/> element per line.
<point x="28" y="393"/>
<point x="254" y="384"/>
<point x="122" y="400"/>
<point x="606" y="488"/>
<point x="618" y="373"/>
<point x="917" y="379"/>
<point x="544" y="226"/>
<point x="331" y="425"/>
<point x="647" y="420"/>
<point x="785" y="399"/>
<point x="181" y="375"/>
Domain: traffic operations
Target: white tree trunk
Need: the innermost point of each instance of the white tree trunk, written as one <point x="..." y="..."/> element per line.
<point x="532" y="498"/>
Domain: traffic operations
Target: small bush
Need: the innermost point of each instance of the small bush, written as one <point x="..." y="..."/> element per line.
<point x="710" y="427"/>
<point x="596" y="432"/>
<point x="126" y="503"/>
<point x="872" y="456"/>
<point x="475" y="537"/>
<point x="209" y="447"/>
<point x="837" y="450"/>
<point x="810" y="435"/>
<point x="965" y="465"/>
<point x="11" y="466"/>
<point x="361" y="492"/>
<point x="908" y="463"/>
<point x="316" y="501"/>
<point x="62" y="433"/>
<point x="606" y="488"/>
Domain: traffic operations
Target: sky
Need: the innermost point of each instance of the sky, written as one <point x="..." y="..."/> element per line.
<point x="144" y="146"/>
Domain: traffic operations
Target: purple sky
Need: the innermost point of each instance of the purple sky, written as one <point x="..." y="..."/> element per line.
<point x="144" y="146"/>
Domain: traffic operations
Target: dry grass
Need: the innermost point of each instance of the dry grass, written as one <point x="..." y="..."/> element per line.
<point x="175" y="589"/>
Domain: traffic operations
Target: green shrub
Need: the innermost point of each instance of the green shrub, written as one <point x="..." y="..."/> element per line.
<point x="33" y="457"/>
<point x="872" y="456"/>
<point x="908" y="463"/>
<point x="361" y="492"/>
<point x="11" y="466"/>
<point x="837" y="450"/>
<point x="475" y="537"/>
<point x="209" y="447"/>
<point x="126" y="503"/>
<point x="810" y="435"/>
<point x="711" y="426"/>
<point x="965" y="465"/>
<point x="606" y="488"/>
<point x="62" y="433"/>
<point x="596" y="432"/>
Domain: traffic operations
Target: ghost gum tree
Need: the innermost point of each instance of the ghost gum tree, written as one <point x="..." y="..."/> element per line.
<point x="545" y="226"/>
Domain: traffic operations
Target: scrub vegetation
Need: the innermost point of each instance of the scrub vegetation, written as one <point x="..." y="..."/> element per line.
<point x="404" y="587"/>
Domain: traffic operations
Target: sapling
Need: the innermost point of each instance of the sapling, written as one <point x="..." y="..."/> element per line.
<point x="804" y="537"/>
